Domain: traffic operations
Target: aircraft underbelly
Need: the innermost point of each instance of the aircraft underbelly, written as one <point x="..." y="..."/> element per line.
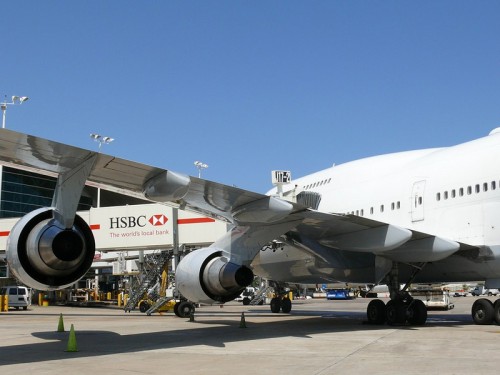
<point x="302" y="265"/>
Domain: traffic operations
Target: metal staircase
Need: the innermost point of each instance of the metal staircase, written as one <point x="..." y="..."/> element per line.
<point x="160" y="302"/>
<point x="260" y="296"/>
<point x="155" y="263"/>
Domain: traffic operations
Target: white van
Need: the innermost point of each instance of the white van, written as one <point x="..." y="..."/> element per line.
<point x="19" y="296"/>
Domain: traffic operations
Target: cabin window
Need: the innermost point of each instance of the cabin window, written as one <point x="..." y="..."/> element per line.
<point x="469" y="190"/>
<point x="362" y="212"/>
<point x="453" y="193"/>
<point x="438" y="196"/>
<point x="398" y="205"/>
<point x="445" y="195"/>
<point x="461" y="192"/>
<point x="478" y="188"/>
<point x="371" y="210"/>
<point x="485" y="186"/>
<point x="420" y="201"/>
<point x="493" y="185"/>
<point x="381" y="208"/>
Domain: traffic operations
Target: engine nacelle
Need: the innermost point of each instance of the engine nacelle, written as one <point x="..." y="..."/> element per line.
<point x="206" y="276"/>
<point x="44" y="255"/>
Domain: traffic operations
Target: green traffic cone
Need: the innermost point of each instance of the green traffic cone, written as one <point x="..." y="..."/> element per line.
<point x="60" y="326"/>
<point x="242" y="321"/>
<point x="72" y="341"/>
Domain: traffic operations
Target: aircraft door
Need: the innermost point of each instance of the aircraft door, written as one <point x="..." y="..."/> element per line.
<point x="417" y="201"/>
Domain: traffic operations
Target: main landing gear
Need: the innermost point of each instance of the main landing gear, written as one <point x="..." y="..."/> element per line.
<point x="398" y="311"/>
<point x="486" y="312"/>
<point x="402" y="308"/>
<point x="281" y="301"/>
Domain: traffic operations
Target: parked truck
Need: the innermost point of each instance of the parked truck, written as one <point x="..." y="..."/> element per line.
<point x="480" y="290"/>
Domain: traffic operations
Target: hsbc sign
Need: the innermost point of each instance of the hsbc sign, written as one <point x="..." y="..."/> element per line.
<point x="149" y="226"/>
<point x="124" y="222"/>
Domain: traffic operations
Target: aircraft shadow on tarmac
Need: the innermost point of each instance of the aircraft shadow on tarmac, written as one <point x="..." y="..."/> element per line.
<point x="216" y="332"/>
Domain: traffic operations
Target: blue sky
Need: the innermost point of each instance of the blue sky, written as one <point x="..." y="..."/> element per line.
<point x="252" y="86"/>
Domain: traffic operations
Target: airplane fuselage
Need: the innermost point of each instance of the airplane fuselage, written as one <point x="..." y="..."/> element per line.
<point x="451" y="192"/>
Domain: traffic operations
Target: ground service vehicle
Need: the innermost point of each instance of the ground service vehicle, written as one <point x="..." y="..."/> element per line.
<point x="19" y="296"/>
<point x="332" y="294"/>
<point x="482" y="291"/>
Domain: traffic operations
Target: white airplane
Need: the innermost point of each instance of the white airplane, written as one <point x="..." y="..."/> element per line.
<point x="421" y="216"/>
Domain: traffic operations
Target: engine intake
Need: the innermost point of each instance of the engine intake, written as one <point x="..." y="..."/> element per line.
<point x="206" y="276"/>
<point x="46" y="256"/>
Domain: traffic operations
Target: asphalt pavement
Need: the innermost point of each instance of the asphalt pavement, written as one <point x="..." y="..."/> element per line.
<point x="317" y="337"/>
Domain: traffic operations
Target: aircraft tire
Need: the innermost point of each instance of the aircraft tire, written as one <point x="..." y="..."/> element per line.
<point x="483" y="311"/>
<point x="185" y="309"/>
<point x="275" y="305"/>
<point x="176" y="309"/>
<point x="246" y="301"/>
<point x="496" y="307"/>
<point x="144" y="306"/>
<point x="417" y="313"/>
<point x="286" y="305"/>
<point x="396" y="312"/>
<point x="376" y="312"/>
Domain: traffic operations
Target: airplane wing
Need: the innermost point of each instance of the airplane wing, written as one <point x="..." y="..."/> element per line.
<point x="233" y="205"/>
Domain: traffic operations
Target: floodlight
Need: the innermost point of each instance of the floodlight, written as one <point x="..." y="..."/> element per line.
<point x="15" y="100"/>
<point x="102" y="140"/>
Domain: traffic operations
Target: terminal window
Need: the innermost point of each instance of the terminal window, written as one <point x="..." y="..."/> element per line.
<point x="23" y="192"/>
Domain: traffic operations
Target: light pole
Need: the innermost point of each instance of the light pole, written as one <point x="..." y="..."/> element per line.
<point x="101" y="140"/>
<point x="15" y="100"/>
<point x="200" y="166"/>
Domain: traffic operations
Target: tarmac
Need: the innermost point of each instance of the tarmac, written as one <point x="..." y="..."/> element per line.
<point x="317" y="337"/>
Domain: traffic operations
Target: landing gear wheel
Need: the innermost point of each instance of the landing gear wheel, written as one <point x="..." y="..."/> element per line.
<point x="176" y="309"/>
<point x="376" y="312"/>
<point x="246" y="301"/>
<point x="396" y="312"/>
<point x="286" y="305"/>
<point x="185" y="309"/>
<point x="496" y="307"/>
<point x="275" y="305"/>
<point x="417" y="313"/>
<point x="144" y="306"/>
<point x="483" y="311"/>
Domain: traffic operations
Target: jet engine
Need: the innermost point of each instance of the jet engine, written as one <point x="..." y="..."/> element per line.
<point x="206" y="276"/>
<point x="46" y="256"/>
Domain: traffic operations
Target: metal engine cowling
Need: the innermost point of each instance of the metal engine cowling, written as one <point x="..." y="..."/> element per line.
<point x="206" y="276"/>
<point x="44" y="255"/>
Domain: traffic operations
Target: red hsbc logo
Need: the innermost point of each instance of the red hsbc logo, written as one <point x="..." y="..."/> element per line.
<point x="158" y="220"/>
